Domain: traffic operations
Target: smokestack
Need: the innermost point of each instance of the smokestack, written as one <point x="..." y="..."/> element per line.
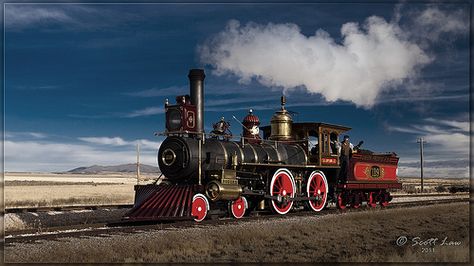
<point x="196" y="88"/>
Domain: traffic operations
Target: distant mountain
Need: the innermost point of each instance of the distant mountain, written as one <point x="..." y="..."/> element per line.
<point x="123" y="168"/>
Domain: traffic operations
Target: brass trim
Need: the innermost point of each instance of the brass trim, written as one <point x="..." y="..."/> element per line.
<point x="163" y="159"/>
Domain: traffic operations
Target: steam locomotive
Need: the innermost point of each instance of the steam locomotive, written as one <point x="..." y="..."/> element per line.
<point x="286" y="166"/>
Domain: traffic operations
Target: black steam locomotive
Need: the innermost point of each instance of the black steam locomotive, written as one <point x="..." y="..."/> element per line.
<point x="289" y="165"/>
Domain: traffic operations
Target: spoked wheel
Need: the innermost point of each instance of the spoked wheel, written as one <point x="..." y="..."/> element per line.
<point x="317" y="187"/>
<point x="384" y="199"/>
<point x="356" y="200"/>
<point x="372" y="202"/>
<point x="238" y="207"/>
<point x="199" y="207"/>
<point x="341" y="201"/>
<point x="283" y="186"/>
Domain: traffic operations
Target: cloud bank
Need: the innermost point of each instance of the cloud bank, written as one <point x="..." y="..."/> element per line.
<point x="46" y="155"/>
<point x="446" y="148"/>
<point x="371" y="58"/>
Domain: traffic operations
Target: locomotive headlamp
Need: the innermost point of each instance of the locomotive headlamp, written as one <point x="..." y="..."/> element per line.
<point x="174" y="119"/>
<point x="168" y="157"/>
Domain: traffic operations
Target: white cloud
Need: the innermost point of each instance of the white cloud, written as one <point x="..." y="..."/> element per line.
<point x="446" y="148"/>
<point x="23" y="16"/>
<point x="460" y="125"/>
<point x="55" y="156"/>
<point x="146" y="112"/>
<point x="118" y="141"/>
<point x="370" y="61"/>
<point x="455" y="143"/>
<point x="70" y="17"/>
<point x="34" y="135"/>
<point x="432" y="23"/>
<point x="371" y="58"/>
<point x="115" y="141"/>
<point x="410" y="130"/>
<point x="151" y="145"/>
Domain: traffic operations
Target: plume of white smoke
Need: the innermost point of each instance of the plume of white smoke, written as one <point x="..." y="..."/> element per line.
<point x="371" y="58"/>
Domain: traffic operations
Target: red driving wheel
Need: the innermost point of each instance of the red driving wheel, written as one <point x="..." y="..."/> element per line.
<point x="317" y="187"/>
<point x="283" y="186"/>
<point x="238" y="207"/>
<point x="199" y="207"/>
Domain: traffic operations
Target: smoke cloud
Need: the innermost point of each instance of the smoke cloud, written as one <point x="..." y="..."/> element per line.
<point x="371" y="58"/>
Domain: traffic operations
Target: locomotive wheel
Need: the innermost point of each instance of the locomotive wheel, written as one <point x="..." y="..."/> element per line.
<point x="341" y="202"/>
<point x="283" y="185"/>
<point x="238" y="207"/>
<point x="372" y="202"/>
<point x="317" y="186"/>
<point x="356" y="200"/>
<point x="384" y="199"/>
<point x="199" y="207"/>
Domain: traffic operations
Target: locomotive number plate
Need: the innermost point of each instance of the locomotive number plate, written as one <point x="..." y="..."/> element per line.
<point x="374" y="171"/>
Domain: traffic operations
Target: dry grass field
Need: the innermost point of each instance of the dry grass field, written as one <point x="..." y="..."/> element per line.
<point x="46" y="189"/>
<point x="350" y="237"/>
<point x="412" y="184"/>
<point x="49" y="189"/>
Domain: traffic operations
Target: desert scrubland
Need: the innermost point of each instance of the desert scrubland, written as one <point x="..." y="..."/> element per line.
<point x="49" y="189"/>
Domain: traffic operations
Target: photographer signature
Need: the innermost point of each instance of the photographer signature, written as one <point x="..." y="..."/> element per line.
<point x="433" y="241"/>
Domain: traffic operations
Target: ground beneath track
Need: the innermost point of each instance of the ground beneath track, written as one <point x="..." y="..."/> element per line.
<point x="368" y="236"/>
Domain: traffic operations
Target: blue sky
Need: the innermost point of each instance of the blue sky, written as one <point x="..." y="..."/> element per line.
<point x="85" y="82"/>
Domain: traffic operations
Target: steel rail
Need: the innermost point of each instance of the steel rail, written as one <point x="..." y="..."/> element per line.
<point x="102" y="229"/>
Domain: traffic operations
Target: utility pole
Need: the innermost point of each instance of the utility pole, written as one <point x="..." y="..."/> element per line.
<point x="421" y="141"/>
<point x="138" y="163"/>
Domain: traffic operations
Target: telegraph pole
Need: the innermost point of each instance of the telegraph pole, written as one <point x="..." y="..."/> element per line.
<point x="421" y="141"/>
<point x="138" y="163"/>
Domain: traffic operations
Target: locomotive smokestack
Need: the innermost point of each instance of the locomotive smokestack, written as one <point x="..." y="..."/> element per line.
<point x="196" y="87"/>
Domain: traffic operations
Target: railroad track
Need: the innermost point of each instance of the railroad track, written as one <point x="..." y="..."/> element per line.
<point x="128" y="206"/>
<point x="102" y="230"/>
<point x="68" y="208"/>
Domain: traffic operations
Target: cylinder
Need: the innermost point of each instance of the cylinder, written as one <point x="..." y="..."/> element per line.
<point x="196" y="89"/>
<point x="215" y="190"/>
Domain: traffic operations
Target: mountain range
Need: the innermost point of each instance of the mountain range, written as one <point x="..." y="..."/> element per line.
<point x="122" y="168"/>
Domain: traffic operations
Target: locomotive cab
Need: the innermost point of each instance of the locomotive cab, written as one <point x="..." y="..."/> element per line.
<point x="317" y="139"/>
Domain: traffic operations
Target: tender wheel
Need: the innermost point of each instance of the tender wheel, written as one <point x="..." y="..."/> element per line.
<point x="283" y="186"/>
<point x="199" y="207"/>
<point x="341" y="201"/>
<point x="372" y="202"/>
<point x="317" y="186"/>
<point x="384" y="199"/>
<point x="238" y="207"/>
<point x="356" y="200"/>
